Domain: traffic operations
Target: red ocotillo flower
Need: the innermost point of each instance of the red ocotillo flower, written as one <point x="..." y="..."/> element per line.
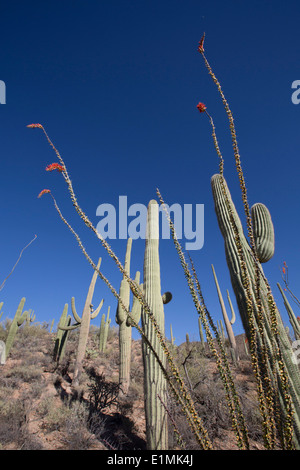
<point x="45" y="191"/>
<point x="55" y="166"/>
<point x="201" y="107"/>
<point x="283" y="270"/>
<point x="284" y="264"/>
<point x="201" y="42"/>
<point x="35" y="125"/>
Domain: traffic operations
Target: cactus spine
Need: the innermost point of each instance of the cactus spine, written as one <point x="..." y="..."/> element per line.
<point x="18" y="320"/>
<point x="277" y="375"/>
<point x="155" y="385"/>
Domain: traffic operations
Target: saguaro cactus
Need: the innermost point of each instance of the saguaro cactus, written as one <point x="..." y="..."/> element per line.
<point x="283" y="374"/>
<point x="228" y="326"/>
<point x="293" y="319"/>
<point x="155" y="385"/>
<point x="202" y="342"/>
<point x="171" y="334"/>
<point x="263" y="232"/>
<point x="103" y="332"/>
<point x="18" y="320"/>
<point x="30" y="317"/>
<point x="125" y="323"/>
<point x="2" y="353"/>
<point x="88" y="314"/>
<point x="62" y="335"/>
<point x="1" y="305"/>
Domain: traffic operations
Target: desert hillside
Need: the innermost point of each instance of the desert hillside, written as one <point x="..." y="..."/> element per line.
<point x="40" y="410"/>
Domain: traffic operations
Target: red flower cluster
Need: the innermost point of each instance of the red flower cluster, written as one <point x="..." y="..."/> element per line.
<point x="55" y="166"/>
<point x="201" y="42"/>
<point x="45" y="191"/>
<point x="201" y="107"/>
<point x="35" y="125"/>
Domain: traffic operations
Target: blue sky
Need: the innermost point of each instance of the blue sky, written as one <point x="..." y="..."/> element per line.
<point x="116" y="86"/>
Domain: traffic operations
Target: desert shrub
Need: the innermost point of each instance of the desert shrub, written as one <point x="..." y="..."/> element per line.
<point x="14" y="426"/>
<point x="24" y="373"/>
<point x="102" y="394"/>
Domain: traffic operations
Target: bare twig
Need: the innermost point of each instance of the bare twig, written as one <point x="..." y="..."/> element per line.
<point x="2" y="285"/>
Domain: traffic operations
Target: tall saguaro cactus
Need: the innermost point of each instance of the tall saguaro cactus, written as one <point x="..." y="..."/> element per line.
<point x="228" y="326"/>
<point x="155" y="384"/>
<point x="277" y="374"/>
<point x="124" y="323"/>
<point x="88" y="314"/>
<point x="103" y="332"/>
<point x="62" y="335"/>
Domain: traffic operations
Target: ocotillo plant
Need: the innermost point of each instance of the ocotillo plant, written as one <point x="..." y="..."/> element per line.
<point x="18" y="320"/>
<point x="228" y="326"/>
<point x="125" y="323"/>
<point x="277" y="377"/>
<point x="176" y="382"/>
<point x="154" y="381"/>
<point x="84" y="322"/>
<point x="103" y="331"/>
<point x="62" y="335"/>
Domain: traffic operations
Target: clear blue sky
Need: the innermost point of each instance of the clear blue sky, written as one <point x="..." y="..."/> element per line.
<point x="116" y="86"/>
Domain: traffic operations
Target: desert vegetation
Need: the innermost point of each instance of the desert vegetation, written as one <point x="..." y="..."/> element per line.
<point x="86" y="388"/>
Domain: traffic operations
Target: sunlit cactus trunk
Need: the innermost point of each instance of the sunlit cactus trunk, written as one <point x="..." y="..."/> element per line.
<point x="155" y="384"/>
<point x="87" y="315"/>
<point x="124" y="329"/>
<point x="228" y="324"/>
<point x="18" y="320"/>
<point x="62" y="335"/>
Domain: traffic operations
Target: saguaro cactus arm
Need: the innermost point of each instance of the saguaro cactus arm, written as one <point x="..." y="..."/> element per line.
<point x="263" y="232"/>
<point x="233" y="317"/>
<point x="74" y="311"/>
<point x="84" y="328"/>
<point x="96" y="312"/>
